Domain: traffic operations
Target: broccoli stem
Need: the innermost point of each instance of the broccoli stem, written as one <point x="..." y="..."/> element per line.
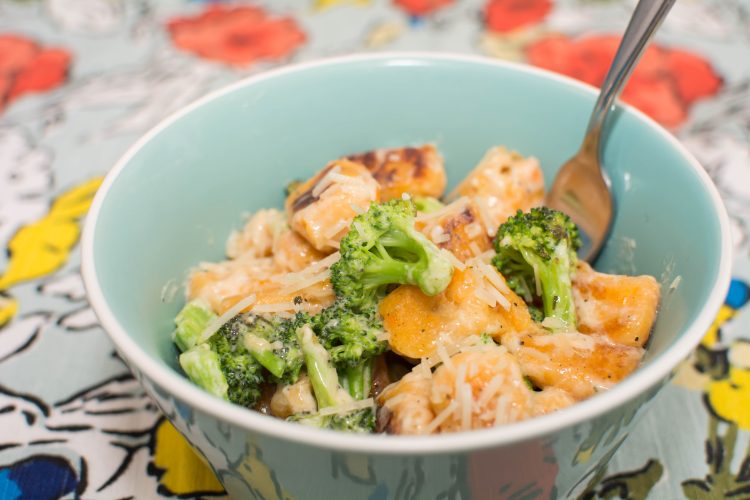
<point x="555" y="282"/>
<point x="357" y="380"/>
<point x="191" y="321"/>
<point x="203" y="367"/>
<point x="323" y="376"/>
<point x="427" y="204"/>
<point x="412" y="264"/>
<point x="263" y="352"/>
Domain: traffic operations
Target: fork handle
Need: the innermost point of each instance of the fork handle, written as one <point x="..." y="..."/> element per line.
<point x="646" y="18"/>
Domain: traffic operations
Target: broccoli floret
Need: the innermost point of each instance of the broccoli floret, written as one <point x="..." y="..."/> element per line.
<point x="536" y="253"/>
<point x="358" y="421"/>
<point x="351" y="338"/>
<point x="427" y="204"/>
<point x="243" y="373"/>
<point x="224" y="368"/>
<point x="230" y="364"/>
<point x="349" y="335"/>
<point x="191" y="321"/>
<point x="272" y="341"/>
<point x="381" y="248"/>
<point x="323" y="375"/>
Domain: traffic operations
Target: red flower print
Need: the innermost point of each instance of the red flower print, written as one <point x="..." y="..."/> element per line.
<point x="421" y="7"/>
<point x="236" y="35"/>
<point x="26" y="68"/>
<point x="503" y="16"/>
<point x="664" y="85"/>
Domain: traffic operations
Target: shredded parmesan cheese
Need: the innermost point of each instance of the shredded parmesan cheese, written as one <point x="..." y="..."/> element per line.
<point x="493" y="277"/>
<point x="485" y="216"/>
<point x="441" y="417"/>
<point x="460" y="376"/>
<point x="467" y="407"/>
<point x="486" y="256"/>
<point x="230" y="313"/>
<point x="438" y="236"/>
<point x="483" y="294"/>
<point x="289" y="278"/>
<point x="424" y="368"/>
<point x="307" y="282"/>
<point x="336" y="228"/>
<point x="498" y="297"/>
<point x="344" y="179"/>
<point x="457" y="205"/>
<point x="500" y="410"/>
<point x="274" y="308"/>
<point x="348" y="407"/>
<point x="325" y="182"/>
<point x="489" y="391"/>
<point x="473" y="230"/>
<point x="453" y="259"/>
<point x="444" y="357"/>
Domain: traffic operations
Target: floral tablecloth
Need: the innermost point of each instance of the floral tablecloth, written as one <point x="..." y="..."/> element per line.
<point x="80" y="80"/>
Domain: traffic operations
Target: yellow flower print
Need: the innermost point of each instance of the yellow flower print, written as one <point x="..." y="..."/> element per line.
<point x="326" y="4"/>
<point x="182" y="471"/>
<point x="729" y="398"/>
<point x="711" y="338"/>
<point x="8" y="309"/>
<point x="261" y="477"/>
<point x="41" y="247"/>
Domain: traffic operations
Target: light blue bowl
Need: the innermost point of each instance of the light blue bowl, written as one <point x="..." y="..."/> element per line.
<point x="174" y="197"/>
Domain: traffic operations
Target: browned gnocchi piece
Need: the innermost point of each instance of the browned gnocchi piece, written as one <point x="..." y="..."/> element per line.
<point x="418" y="171"/>
<point x="322" y="208"/>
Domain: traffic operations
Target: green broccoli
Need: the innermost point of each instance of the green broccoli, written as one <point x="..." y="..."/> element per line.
<point x="244" y="375"/>
<point x="323" y="375"/>
<point x="536" y="253"/>
<point x="203" y="367"/>
<point x="230" y="363"/>
<point x="357" y="380"/>
<point x="223" y="367"/>
<point x="191" y="321"/>
<point x="357" y="421"/>
<point x="351" y="338"/>
<point x="427" y="204"/>
<point x="328" y="391"/>
<point x="381" y="248"/>
<point x="272" y="341"/>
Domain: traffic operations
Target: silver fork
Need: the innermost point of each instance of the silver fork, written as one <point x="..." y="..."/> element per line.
<point x="581" y="188"/>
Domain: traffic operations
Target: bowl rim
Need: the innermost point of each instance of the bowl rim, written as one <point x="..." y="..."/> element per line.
<point x="181" y="388"/>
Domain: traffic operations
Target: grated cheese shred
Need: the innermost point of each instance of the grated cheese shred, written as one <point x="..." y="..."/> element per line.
<point x="325" y="182"/>
<point x="230" y="313"/>
<point x="441" y="417"/>
<point x="348" y="407"/>
<point x="449" y="209"/>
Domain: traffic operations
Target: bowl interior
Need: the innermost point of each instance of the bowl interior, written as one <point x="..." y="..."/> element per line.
<point x="188" y="183"/>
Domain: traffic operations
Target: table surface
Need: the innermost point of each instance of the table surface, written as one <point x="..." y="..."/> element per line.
<point x="80" y="80"/>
